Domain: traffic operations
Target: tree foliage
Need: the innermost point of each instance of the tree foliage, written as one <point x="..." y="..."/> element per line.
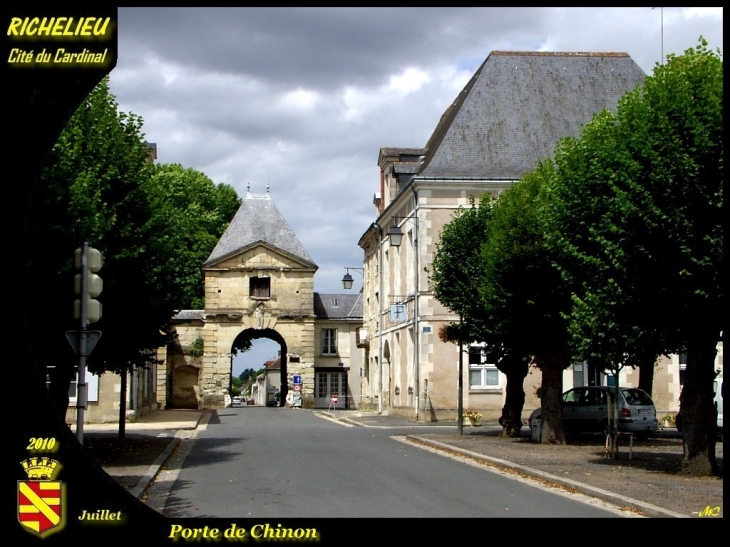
<point x="635" y="219"/>
<point x="525" y="300"/>
<point x="190" y="215"/>
<point x="457" y="280"/>
<point x="100" y="186"/>
<point x="456" y="270"/>
<point x="94" y="190"/>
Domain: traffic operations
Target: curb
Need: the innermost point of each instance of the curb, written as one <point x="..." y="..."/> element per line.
<point x="139" y="490"/>
<point x="154" y="469"/>
<point x="646" y="508"/>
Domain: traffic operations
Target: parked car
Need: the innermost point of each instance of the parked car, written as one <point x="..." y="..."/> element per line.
<point x="719" y="396"/>
<point x="249" y="400"/>
<point x="585" y="409"/>
<point x="237" y="401"/>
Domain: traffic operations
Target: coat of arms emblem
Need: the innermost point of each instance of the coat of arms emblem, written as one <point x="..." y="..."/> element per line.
<point x="41" y="499"/>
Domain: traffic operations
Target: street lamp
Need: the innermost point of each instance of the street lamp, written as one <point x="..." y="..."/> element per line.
<point x="347" y="278"/>
<point x="395" y="235"/>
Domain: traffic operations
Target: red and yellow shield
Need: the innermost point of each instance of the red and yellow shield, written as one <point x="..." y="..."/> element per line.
<point x="40" y="505"/>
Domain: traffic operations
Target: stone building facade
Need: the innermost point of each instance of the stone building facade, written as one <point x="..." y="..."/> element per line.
<point x="510" y="114"/>
<point x="259" y="283"/>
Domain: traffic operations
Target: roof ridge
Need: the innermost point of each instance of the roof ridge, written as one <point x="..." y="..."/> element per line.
<point x="563" y="53"/>
<point x="258" y="220"/>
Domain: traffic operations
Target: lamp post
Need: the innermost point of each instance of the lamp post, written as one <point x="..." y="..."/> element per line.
<point x="347" y="278"/>
<point x="395" y="236"/>
<point x="460" y="385"/>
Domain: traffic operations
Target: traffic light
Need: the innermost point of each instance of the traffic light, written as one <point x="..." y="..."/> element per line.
<point x="87" y="285"/>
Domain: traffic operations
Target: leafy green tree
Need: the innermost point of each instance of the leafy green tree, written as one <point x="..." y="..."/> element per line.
<point x="635" y="217"/>
<point x="247" y="374"/>
<point x="456" y="276"/>
<point x="190" y="215"/>
<point x="93" y="190"/>
<point x="154" y="225"/>
<point x="524" y="297"/>
<point x="236" y="385"/>
<point x="456" y="269"/>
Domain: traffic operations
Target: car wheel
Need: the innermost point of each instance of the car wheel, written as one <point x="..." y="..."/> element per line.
<point x="643" y="436"/>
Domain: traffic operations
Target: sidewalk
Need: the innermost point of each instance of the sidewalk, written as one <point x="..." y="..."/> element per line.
<point x="167" y="427"/>
<point x="645" y="481"/>
<point x="160" y="419"/>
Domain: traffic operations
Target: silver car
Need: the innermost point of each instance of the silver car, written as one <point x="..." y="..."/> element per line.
<point x="585" y="409"/>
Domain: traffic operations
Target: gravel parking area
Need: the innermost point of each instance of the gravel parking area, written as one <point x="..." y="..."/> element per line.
<point x="652" y="475"/>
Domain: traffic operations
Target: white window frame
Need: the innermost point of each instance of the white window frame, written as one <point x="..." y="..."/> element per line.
<point x="92" y="387"/>
<point x="488" y="373"/>
<point x="329" y="341"/>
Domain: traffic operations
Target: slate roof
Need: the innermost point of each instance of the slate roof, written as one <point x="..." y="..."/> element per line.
<point x="258" y="221"/>
<point x="189" y="315"/>
<point x="518" y="105"/>
<point x="348" y="306"/>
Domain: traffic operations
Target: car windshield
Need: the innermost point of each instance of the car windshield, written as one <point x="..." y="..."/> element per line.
<point x="636" y="397"/>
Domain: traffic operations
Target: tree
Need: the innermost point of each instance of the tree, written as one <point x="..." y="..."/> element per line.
<point x="101" y="187"/>
<point x="524" y="297"/>
<point x="635" y="217"/>
<point x="93" y="190"/>
<point x="456" y="277"/>
<point x="190" y="215"/>
<point x="456" y="269"/>
<point x="236" y="385"/>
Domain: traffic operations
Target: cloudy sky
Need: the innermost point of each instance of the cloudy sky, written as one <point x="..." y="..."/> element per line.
<point x="302" y="99"/>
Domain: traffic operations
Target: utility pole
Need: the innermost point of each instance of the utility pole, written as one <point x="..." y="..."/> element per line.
<point x="87" y="286"/>
<point x="460" y="385"/>
<point x="662" y="27"/>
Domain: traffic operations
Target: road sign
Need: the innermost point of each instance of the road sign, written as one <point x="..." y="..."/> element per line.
<point x="297" y="379"/>
<point x="334" y="399"/>
<point x="92" y="337"/>
<point x="297" y="387"/>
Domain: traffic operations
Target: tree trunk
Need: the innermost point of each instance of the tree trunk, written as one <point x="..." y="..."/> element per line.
<point x="511" y="419"/>
<point x="123" y="405"/>
<point x="612" y="434"/>
<point x="646" y="375"/>
<point x="697" y="406"/>
<point x="551" y="392"/>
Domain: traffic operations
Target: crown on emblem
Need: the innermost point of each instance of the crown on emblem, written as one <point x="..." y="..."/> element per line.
<point x="41" y="469"/>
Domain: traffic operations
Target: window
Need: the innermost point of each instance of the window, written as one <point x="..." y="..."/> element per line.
<point x="329" y="341"/>
<point x="482" y="374"/>
<point x="682" y="367"/>
<point x="92" y="386"/>
<point x="259" y="287"/>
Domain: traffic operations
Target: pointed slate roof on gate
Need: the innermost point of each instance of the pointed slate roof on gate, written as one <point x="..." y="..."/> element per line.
<point x="518" y="105"/>
<point x="258" y="221"/>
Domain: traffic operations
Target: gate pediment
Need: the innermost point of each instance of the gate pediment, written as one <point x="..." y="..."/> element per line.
<point x="260" y="256"/>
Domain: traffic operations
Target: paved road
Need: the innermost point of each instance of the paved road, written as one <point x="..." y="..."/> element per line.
<point x="263" y="463"/>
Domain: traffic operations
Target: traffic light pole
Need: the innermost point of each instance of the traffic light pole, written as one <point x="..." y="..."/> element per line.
<point x="81" y="379"/>
<point x="87" y="286"/>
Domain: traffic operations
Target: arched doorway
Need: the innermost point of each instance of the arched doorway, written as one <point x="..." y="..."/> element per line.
<point x="271" y="386"/>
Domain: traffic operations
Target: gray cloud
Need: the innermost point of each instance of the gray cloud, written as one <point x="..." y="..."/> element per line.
<point x="304" y="98"/>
